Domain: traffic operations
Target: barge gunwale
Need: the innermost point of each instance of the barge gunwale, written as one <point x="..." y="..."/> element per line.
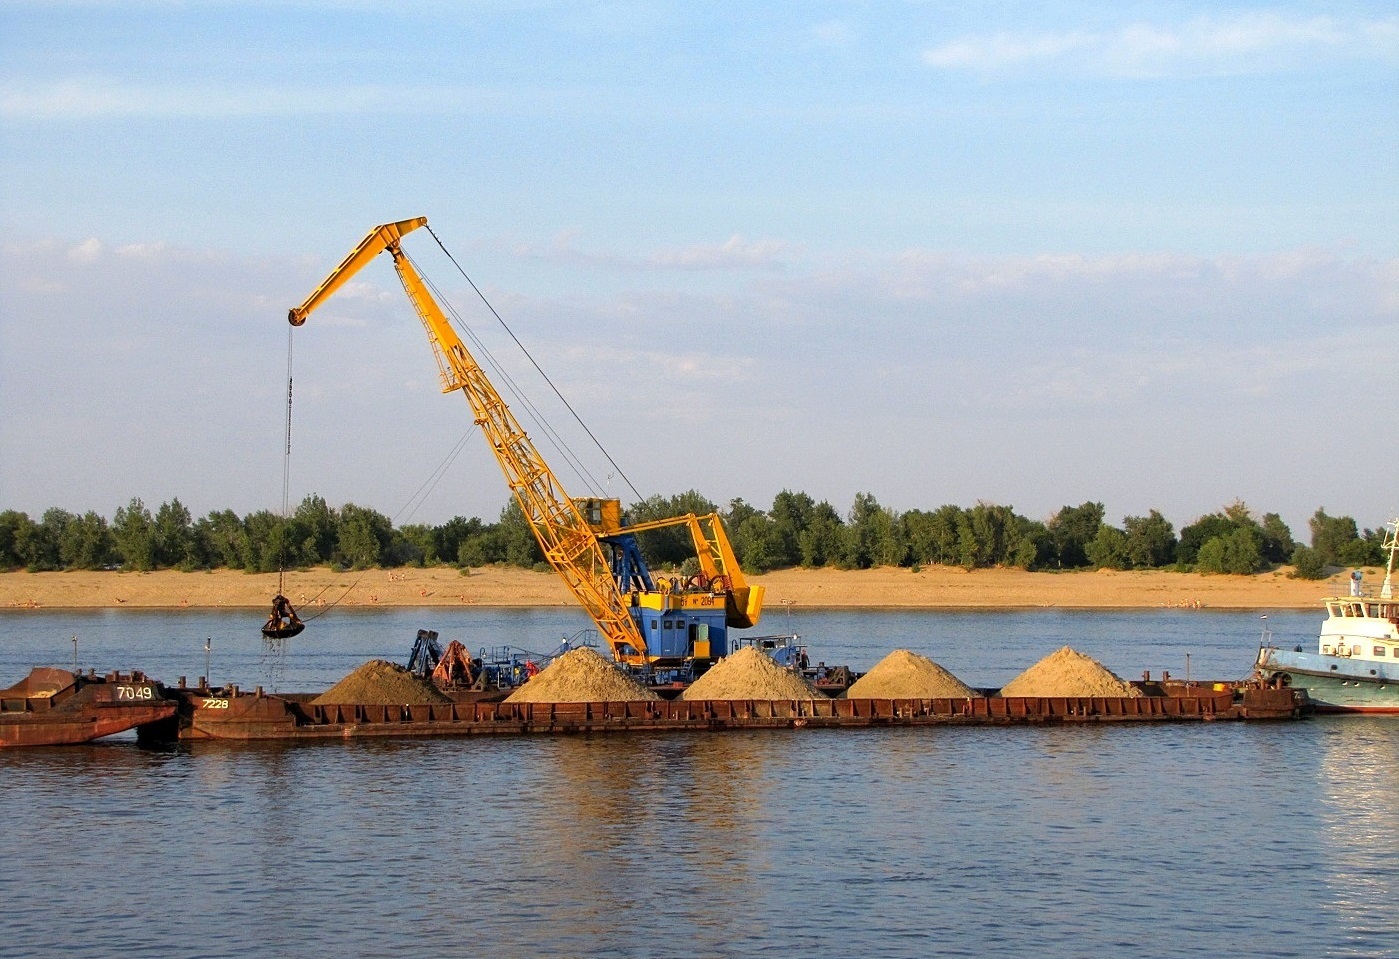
<point x="252" y="717"/>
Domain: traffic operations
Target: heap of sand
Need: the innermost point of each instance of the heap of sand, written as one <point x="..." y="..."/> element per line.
<point x="580" y="676"/>
<point x="906" y="675"/>
<point x="750" y="674"/>
<point x="1068" y="672"/>
<point x="381" y="683"/>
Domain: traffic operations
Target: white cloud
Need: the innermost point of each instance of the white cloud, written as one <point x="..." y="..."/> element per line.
<point x="84" y="98"/>
<point x="88" y="251"/>
<point x="40" y="286"/>
<point x="836" y="33"/>
<point x="735" y="253"/>
<point x="1235" y="44"/>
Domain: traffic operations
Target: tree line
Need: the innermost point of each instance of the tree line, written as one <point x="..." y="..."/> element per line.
<point x="795" y="531"/>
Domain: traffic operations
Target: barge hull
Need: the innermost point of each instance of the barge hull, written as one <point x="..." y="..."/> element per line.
<point x="252" y="717"/>
<point x="53" y="707"/>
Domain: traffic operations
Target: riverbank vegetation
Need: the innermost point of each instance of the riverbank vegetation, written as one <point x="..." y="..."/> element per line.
<point x="796" y="531"/>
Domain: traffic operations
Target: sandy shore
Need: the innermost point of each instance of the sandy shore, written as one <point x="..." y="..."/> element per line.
<point x="930" y="588"/>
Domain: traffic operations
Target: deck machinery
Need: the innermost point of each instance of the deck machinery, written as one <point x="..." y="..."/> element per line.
<point x="663" y="627"/>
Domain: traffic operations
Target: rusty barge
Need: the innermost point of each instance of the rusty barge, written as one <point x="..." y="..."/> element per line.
<point x="254" y="716"/>
<point x="57" y="707"/>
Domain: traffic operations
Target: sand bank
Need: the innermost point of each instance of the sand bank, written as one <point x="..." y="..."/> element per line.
<point x="936" y="587"/>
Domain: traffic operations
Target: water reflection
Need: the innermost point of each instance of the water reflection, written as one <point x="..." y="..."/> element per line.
<point x="1359" y="774"/>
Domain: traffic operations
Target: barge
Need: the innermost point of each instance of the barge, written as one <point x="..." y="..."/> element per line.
<point x="206" y="715"/>
<point x="55" y="707"/>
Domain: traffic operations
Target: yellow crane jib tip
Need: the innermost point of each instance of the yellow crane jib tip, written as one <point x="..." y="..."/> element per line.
<point x="378" y="240"/>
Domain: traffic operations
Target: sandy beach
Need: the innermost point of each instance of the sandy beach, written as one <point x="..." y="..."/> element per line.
<point x="937" y="587"/>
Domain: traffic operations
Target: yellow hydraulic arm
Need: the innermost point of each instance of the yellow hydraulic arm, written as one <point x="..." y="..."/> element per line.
<point x="716" y="559"/>
<point x="568" y="543"/>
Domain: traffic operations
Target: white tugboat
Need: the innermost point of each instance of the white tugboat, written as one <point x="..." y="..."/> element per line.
<point x="1356" y="666"/>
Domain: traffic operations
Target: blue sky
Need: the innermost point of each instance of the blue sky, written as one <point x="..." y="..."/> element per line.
<point x="1140" y="253"/>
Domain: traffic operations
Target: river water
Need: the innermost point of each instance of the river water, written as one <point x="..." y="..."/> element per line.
<point x="1237" y="839"/>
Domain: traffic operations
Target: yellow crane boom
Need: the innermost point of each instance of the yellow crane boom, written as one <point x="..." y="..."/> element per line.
<point x="569" y="544"/>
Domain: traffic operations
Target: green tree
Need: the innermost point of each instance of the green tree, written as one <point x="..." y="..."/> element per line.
<point x="934" y="537"/>
<point x="1277" y="544"/>
<point x="873" y="536"/>
<point x="1331" y="534"/>
<point x="86" y="543"/>
<point x="1071" y="530"/>
<point x="1237" y="552"/>
<point x="175" y="542"/>
<point x="314" y="530"/>
<point x="1308" y="564"/>
<point x="756" y="544"/>
<point x="362" y="537"/>
<point x="12" y="522"/>
<point x="266" y="541"/>
<point x="517" y="538"/>
<point x="1198" y="533"/>
<point x="1030" y="545"/>
<point x="44" y="550"/>
<point x="1361" y="552"/>
<point x="820" y="542"/>
<point x="481" y="548"/>
<point x="1109" y="549"/>
<point x="223" y="539"/>
<point x="1151" y="541"/>
<point x="791" y="515"/>
<point x="133" y="531"/>
<point x="412" y="545"/>
<point x="993" y="535"/>
<point x="449" y="537"/>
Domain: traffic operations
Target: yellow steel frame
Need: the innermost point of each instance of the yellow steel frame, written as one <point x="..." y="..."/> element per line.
<point x="563" y="533"/>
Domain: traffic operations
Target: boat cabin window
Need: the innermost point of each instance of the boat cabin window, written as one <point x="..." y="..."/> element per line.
<point x="1325" y="650"/>
<point x="1379" y="650"/>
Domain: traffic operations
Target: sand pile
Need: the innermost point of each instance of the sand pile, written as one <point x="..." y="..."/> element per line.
<point x="580" y="676"/>
<point x="749" y="674"/>
<point x="906" y="675"/>
<point x="1068" y="673"/>
<point x="381" y="683"/>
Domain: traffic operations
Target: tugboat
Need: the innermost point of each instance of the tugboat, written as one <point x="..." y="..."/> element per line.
<point x="1356" y="666"/>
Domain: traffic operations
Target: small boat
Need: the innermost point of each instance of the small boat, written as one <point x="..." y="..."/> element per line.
<point x="1356" y="666"/>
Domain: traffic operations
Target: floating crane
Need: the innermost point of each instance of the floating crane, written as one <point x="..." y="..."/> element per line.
<point x="658" y="625"/>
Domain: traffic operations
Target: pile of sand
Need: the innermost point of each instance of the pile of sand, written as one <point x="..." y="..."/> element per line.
<point x="906" y="675"/>
<point x="750" y="674"/>
<point x="1068" y="673"/>
<point x="380" y="683"/>
<point x="580" y="676"/>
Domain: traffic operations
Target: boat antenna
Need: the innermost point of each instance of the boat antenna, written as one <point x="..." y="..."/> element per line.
<point x="1391" y="543"/>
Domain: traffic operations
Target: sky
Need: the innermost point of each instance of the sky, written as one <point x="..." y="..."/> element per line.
<point x="1144" y="254"/>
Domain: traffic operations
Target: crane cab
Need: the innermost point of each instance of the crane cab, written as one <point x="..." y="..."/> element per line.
<point x="682" y="621"/>
<point x="604" y="516"/>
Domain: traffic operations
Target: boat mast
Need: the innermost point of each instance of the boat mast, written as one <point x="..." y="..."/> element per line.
<point x="1391" y="543"/>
